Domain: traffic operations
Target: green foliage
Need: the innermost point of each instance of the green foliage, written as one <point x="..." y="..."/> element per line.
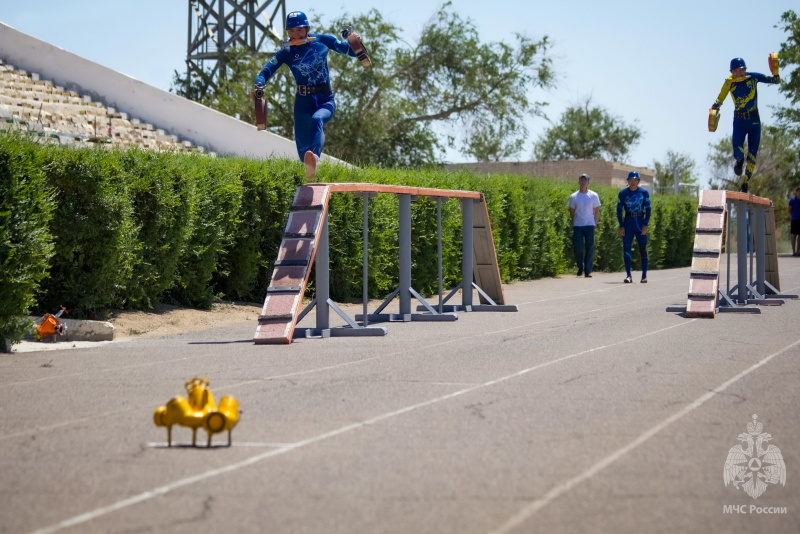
<point x="789" y="56"/>
<point x="665" y="172"/>
<point x="26" y="244"/>
<point x="587" y="132"/>
<point x="94" y="231"/>
<point x="134" y="228"/>
<point x="777" y="172"/>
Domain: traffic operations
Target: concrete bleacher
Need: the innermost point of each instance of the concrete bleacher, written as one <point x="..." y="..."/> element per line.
<point x="29" y="103"/>
<point x="159" y="113"/>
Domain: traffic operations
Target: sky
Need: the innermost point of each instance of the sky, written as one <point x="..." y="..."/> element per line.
<point x="659" y="65"/>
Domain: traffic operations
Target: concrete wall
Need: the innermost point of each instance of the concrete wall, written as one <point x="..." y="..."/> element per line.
<point x="189" y="120"/>
<point x="601" y="171"/>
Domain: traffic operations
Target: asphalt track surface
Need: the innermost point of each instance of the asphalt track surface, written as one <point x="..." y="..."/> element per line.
<point x="592" y="409"/>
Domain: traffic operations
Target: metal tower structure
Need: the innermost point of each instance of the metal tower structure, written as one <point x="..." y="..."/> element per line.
<point x="217" y="25"/>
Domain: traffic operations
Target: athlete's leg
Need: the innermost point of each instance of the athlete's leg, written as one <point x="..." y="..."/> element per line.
<point x="641" y="241"/>
<point x="303" y="130"/>
<point x="753" y="142"/>
<point x="627" y="245"/>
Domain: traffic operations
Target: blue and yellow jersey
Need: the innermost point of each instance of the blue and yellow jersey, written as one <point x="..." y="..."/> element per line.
<point x="308" y="62"/>
<point x="743" y="90"/>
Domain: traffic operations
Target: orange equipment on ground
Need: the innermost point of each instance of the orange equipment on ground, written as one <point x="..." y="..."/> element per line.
<point x="51" y="327"/>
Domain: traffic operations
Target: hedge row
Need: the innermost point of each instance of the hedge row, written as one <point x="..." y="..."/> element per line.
<point x="95" y="229"/>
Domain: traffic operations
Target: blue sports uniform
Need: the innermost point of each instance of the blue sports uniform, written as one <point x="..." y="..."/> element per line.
<point x="633" y="212"/>
<point x="313" y="107"/>
<point x="746" y="123"/>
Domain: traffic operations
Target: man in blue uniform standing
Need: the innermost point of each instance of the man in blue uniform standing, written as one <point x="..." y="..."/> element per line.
<point x="742" y="86"/>
<point x="794" y="217"/>
<point x="306" y="54"/>
<point x="633" y="214"/>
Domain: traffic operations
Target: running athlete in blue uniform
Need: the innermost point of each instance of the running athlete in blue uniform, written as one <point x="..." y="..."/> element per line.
<point x="633" y="214"/>
<point x="746" y="124"/>
<point x="306" y="54"/>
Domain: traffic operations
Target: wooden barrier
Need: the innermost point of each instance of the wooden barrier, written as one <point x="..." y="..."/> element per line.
<point x="305" y="240"/>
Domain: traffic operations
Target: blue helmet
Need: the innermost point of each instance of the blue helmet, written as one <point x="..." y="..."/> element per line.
<point x="633" y="174"/>
<point x="296" y="19"/>
<point x="737" y="63"/>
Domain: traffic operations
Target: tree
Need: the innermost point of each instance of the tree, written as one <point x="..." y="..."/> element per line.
<point x="776" y="175"/>
<point x="789" y="54"/>
<point x="389" y="114"/>
<point x="665" y="172"/>
<point x="587" y="132"/>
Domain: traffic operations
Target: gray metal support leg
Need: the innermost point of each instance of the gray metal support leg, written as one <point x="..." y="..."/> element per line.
<point x="405" y="254"/>
<point x="404" y="291"/>
<point x="324" y="304"/>
<point x="741" y="250"/>
<point x="439" y="250"/>
<point x="323" y="278"/>
<point x="466" y="251"/>
<point x="759" y="231"/>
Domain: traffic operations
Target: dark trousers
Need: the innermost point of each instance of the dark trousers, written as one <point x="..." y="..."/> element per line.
<point x="583" y="242"/>
<point x="627" y="249"/>
<point x="311" y="113"/>
<point x="749" y="129"/>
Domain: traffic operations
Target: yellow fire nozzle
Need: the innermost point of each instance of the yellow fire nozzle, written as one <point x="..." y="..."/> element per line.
<point x="199" y="410"/>
<point x="713" y="119"/>
<point x="774" y="63"/>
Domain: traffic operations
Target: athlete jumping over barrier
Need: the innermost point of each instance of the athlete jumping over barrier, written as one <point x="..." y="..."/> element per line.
<point x="306" y="55"/>
<point x="742" y="86"/>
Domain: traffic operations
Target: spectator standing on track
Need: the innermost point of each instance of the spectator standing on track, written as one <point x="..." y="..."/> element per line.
<point x="306" y="55"/>
<point x="584" y="209"/>
<point x="633" y="214"/>
<point x="794" y="215"/>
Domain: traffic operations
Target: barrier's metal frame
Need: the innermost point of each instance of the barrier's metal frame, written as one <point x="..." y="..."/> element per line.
<point x="751" y="283"/>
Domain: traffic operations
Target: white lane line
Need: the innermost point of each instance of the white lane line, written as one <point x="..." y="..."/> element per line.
<point x="327" y="368"/>
<point x="567" y="485"/>
<point x="89" y="516"/>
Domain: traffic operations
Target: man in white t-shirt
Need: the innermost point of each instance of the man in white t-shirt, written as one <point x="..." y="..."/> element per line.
<point x="584" y="208"/>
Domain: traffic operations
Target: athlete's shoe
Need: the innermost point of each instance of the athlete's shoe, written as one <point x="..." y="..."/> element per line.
<point x="628" y="280"/>
<point x="310" y="159"/>
<point x="588" y="275"/>
<point x="644" y="280"/>
<point x="580" y="272"/>
<point x="737" y="167"/>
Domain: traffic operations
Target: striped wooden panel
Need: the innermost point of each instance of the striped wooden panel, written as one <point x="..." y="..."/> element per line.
<point x="486" y="270"/>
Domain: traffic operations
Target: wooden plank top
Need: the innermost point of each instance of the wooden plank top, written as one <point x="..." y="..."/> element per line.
<point x="747" y="197"/>
<point x="355" y="187"/>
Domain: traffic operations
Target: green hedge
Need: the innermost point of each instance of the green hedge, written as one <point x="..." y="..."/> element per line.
<point x="130" y="229"/>
<point x="26" y="245"/>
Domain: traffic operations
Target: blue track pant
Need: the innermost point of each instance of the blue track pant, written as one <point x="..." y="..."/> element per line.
<point x="311" y="113"/>
<point x="627" y="249"/>
<point x="749" y="129"/>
